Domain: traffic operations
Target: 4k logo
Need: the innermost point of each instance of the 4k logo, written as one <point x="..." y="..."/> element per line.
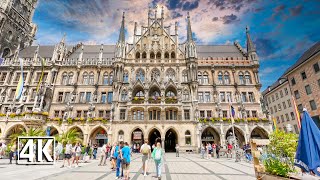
<point x="36" y="150"/>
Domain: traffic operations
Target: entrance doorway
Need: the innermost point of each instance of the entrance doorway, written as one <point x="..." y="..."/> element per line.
<point x="170" y="141"/>
<point x="137" y="139"/>
<point x="154" y="137"/>
<point x="210" y="135"/>
<point x="99" y="136"/>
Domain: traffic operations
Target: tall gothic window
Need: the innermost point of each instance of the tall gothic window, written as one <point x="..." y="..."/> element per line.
<point x="137" y="55"/>
<point x="124" y="95"/>
<point x="220" y="78"/>
<point x="125" y="77"/>
<point x="70" y="80"/>
<point x="226" y="78"/>
<point x="166" y="55"/>
<point x="185" y="95"/>
<point x="85" y="78"/>
<point x="184" y="76"/>
<point x="247" y="78"/>
<point x="91" y="78"/>
<point x="64" y="79"/>
<point x="105" y="79"/>
<point x="199" y="77"/>
<point x="170" y="94"/>
<point x="111" y="78"/>
<point x="241" y="81"/>
<point x="158" y="55"/>
<point x="144" y="55"/>
<point x="173" y="55"/>
<point x="139" y="94"/>
<point x="152" y="55"/>
<point x="140" y="75"/>
<point x="170" y="74"/>
<point x="205" y="78"/>
<point x="155" y="75"/>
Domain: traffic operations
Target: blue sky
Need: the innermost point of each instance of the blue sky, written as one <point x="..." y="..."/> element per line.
<point x="281" y="30"/>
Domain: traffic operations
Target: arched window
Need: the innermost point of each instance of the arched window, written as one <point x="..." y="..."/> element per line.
<point x="111" y="78"/>
<point x="199" y="77"/>
<point x="105" y="78"/>
<point x="155" y="75"/>
<point x="184" y="76"/>
<point x="125" y="77"/>
<point x="139" y="94"/>
<point x="121" y="136"/>
<point x="247" y="78"/>
<point x="170" y="94"/>
<point x="173" y="55"/>
<point x="64" y="79"/>
<point x="205" y="78"/>
<point x="170" y="74"/>
<point x="226" y="78"/>
<point x="155" y="94"/>
<point x="124" y="96"/>
<point x="137" y="55"/>
<point x="91" y="78"/>
<point x="10" y="35"/>
<point x="220" y="78"/>
<point x="6" y="52"/>
<point x="188" y="137"/>
<point x="166" y="55"/>
<point x="152" y="55"/>
<point x="158" y="55"/>
<point x="140" y="75"/>
<point x="85" y="78"/>
<point x="241" y="81"/>
<point x="70" y="81"/>
<point x="144" y="55"/>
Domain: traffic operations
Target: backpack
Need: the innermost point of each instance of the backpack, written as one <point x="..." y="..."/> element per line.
<point x="157" y="155"/>
<point x="145" y="149"/>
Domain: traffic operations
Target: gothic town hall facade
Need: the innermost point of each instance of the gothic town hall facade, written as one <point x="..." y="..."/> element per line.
<point x="154" y="88"/>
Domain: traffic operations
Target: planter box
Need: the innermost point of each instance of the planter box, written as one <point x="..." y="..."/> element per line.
<point x="264" y="176"/>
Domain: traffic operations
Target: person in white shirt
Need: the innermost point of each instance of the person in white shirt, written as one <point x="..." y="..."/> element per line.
<point x="145" y="150"/>
<point x="67" y="154"/>
<point x="58" y="150"/>
<point x="103" y="150"/>
<point x="77" y="152"/>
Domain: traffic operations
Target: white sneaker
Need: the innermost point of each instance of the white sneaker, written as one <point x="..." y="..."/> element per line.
<point x="117" y="177"/>
<point x="145" y="174"/>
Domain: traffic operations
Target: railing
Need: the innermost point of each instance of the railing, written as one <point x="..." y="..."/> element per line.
<point x="171" y="100"/>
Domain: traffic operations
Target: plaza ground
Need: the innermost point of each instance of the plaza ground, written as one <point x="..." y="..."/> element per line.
<point x="185" y="167"/>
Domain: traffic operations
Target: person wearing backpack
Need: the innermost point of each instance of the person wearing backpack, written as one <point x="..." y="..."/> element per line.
<point x="218" y="150"/>
<point x="145" y="150"/>
<point x="126" y="158"/>
<point x="157" y="155"/>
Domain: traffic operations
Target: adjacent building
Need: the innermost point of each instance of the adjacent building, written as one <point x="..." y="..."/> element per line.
<point x="300" y="82"/>
<point x="154" y="88"/>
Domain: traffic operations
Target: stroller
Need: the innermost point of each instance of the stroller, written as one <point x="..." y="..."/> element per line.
<point x="248" y="155"/>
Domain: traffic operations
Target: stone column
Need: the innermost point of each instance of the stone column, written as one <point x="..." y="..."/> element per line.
<point x="162" y="142"/>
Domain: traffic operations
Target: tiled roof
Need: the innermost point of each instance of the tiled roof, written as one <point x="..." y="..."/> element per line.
<point x="205" y="51"/>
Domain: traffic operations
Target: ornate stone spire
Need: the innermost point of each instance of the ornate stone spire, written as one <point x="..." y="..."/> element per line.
<point x="189" y="31"/>
<point x="122" y="32"/>
<point x="250" y="46"/>
<point x="120" y="47"/>
<point x="191" y="51"/>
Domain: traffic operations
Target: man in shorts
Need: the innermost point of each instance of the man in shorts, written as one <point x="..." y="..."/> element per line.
<point x="145" y="150"/>
<point x="67" y="154"/>
<point x="126" y="158"/>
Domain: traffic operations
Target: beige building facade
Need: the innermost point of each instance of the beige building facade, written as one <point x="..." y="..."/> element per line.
<point x="154" y="88"/>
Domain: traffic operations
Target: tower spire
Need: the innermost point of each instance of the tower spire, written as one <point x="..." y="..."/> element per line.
<point x="250" y="46"/>
<point x="189" y="31"/>
<point x="122" y="33"/>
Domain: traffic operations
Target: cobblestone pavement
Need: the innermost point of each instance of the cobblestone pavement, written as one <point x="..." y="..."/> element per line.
<point x="185" y="167"/>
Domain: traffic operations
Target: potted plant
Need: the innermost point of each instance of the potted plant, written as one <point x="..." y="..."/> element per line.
<point x="280" y="154"/>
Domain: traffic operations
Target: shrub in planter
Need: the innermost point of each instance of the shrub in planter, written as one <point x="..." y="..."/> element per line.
<point x="281" y="152"/>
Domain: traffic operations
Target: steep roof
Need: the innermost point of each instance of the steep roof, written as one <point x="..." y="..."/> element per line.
<point x="218" y="51"/>
<point x="44" y="51"/>
<point x="305" y="56"/>
<point x="92" y="51"/>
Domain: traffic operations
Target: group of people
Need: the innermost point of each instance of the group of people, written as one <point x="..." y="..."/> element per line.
<point x="72" y="154"/>
<point x="209" y="149"/>
<point x="120" y="157"/>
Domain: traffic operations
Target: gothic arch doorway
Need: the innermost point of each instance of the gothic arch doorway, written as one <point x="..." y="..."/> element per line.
<point x="154" y="136"/>
<point x="170" y="141"/>
<point x="259" y="133"/>
<point x="98" y="136"/>
<point x="240" y="139"/>
<point x="137" y="137"/>
<point x="210" y="135"/>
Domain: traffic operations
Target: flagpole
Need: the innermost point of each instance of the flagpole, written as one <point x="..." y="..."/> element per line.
<point x="232" y="123"/>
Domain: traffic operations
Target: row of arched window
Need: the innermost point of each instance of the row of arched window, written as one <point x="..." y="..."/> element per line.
<point x="67" y="78"/>
<point x="223" y="77"/>
<point x="155" y="75"/>
<point x="167" y="55"/>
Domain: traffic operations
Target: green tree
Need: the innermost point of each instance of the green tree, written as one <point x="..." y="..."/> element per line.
<point x="72" y="136"/>
<point x="24" y="132"/>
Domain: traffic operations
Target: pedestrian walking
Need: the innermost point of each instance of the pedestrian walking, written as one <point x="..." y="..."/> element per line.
<point x="77" y="154"/>
<point x="208" y="151"/>
<point x="134" y="148"/>
<point x="229" y="151"/>
<point x="102" y="159"/>
<point x="58" y="150"/>
<point x="113" y="158"/>
<point x="67" y="154"/>
<point x="177" y="150"/>
<point x="157" y="155"/>
<point x="95" y="150"/>
<point x="126" y="158"/>
<point x="218" y="150"/>
<point x="118" y="160"/>
<point x="146" y="153"/>
<point x="12" y="153"/>
<point x="203" y="151"/>
<point x="213" y="149"/>
<point x="108" y="150"/>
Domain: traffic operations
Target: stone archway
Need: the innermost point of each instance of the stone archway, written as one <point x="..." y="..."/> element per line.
<point x="259" y="133"/>
<point x="170" y="141"/>
<point x="238" y="134"/>
<point x="78" y="129"/>
<point x="210" y="135"/>
<point x="154" y="136"/>
<point x="53" y="131"/>
<point x="98" y="136"/>
<point x="137" y="137"/>
<point x="15" y="129"/>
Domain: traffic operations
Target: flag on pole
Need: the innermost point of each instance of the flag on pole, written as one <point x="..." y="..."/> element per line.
<point x="20" y="83"/>
<point x="274" y="124"/>
<point x="42" y="73"/>
<point x="296" y="112"/>
<point x="232" y="112"/>
<point x="1" y="60"/>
